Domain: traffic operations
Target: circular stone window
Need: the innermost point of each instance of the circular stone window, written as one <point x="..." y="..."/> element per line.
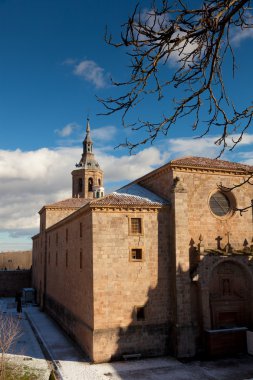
<point x="219" y="204"/>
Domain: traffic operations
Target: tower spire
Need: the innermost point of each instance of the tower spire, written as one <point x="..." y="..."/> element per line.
<point x="88" y="160"/>
<point x="87" y="179"/>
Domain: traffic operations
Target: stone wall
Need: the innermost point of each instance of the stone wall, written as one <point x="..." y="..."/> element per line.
<point x="13" y="281"/>
<point x="69" y="277"/>
<point x="123" y="285"/>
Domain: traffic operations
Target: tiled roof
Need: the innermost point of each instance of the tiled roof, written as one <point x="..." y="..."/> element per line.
<point x="70" y="203"/>
<point x="131" y="195"/>
<point x="203" y="162"/>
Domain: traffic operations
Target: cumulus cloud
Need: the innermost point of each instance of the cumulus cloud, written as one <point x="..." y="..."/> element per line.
<point x="128" y="168"/>
<point x="104" y="133"/>
<point x="197" y="147"/>
<point x="91" y="72"/>
<point x="67" y="130"/>
<point x="240" y="35"/>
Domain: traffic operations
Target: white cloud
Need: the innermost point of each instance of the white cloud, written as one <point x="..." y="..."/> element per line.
<point x="104" y="133"/>
<point x="159" y="23"/>
<point x="240" y="35"/>
<point x="67" y="130"/>
<point x="91" y="72"/>
<point x="204" y="146"/>
<point x="128" y="168"/>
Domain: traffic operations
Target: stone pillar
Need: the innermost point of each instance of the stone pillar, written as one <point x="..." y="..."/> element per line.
<point x="184" y="345"/>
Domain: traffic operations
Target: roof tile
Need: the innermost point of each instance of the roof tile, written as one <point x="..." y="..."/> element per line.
<point x="70" y="203"/>
<point x="203" y="162"/>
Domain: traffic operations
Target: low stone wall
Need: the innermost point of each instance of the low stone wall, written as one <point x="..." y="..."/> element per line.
<point x="12" y="281"/>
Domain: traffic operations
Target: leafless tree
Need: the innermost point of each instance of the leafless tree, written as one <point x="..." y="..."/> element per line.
<point x="10" y="330"/>
<point x="198" y="40"/>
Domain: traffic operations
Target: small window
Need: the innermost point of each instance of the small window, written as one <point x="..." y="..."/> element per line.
<point x="56" y="238"/>
<point x="56" y="258"/>
<point x="67" y="235"/>
<point x="140" y="313"/>
<point x="136" y="226"/>
<point x="136" y="254"/>
<point x="81" y="229"/>
<point x="99" y="182"/>
<point x="81" y="259"/>
<point x="48" y="257"/>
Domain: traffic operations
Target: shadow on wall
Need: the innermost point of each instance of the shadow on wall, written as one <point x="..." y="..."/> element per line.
<point x="185" y="309"/>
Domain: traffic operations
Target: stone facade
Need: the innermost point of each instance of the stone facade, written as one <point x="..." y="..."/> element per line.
<point x="154" y="268"/>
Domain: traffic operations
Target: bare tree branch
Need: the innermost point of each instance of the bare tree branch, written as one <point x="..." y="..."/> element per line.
<point x="198" y="40"/>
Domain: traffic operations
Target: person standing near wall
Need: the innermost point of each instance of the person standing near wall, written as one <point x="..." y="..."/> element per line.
<point x="19" y="305"/>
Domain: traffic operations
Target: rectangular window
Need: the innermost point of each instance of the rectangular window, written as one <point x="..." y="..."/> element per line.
<point x="67" y="235"/>
<point x="48" y="257"/>
<point x="136" y="254"/>
<point x="81" y="230"/>
<point x="56" y="238"/>
<point x="81" y="258"/>
<point x="67" y="258"/>
<point x="56" y="258"/>
<point x="140" y="313"/>
<point x="136" y="226"/>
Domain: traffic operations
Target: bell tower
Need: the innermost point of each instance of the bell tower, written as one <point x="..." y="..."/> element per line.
<point x="87" y="179"/>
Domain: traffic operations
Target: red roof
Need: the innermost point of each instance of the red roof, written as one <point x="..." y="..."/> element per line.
<point x="70" y="203"/>
<point x="203" y="162"/>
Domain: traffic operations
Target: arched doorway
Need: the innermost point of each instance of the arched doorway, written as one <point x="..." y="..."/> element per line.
<point x="230" y="308"/>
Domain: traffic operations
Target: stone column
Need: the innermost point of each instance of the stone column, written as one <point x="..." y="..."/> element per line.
<point x="184" y="345"/>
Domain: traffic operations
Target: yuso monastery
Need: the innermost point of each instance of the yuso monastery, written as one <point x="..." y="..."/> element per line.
<point x="162" y="265"/>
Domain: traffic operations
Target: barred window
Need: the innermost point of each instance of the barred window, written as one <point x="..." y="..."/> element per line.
<point x="136" y="225"/>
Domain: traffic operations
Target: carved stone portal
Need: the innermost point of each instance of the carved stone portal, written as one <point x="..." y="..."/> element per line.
<point x="229" y="296"/>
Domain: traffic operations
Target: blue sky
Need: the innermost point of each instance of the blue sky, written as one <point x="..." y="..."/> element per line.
<point x="53" y="63"/>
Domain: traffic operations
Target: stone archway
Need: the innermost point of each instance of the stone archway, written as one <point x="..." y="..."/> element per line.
<point x="229" y="296"/>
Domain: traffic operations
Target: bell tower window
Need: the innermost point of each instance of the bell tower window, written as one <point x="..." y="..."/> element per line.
<point x="90" y="184"/>
<point x="80" y="185"/>
<point x="99" y="182"/>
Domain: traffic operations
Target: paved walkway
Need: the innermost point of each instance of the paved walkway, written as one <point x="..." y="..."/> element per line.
<point x="56" y="350"/>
